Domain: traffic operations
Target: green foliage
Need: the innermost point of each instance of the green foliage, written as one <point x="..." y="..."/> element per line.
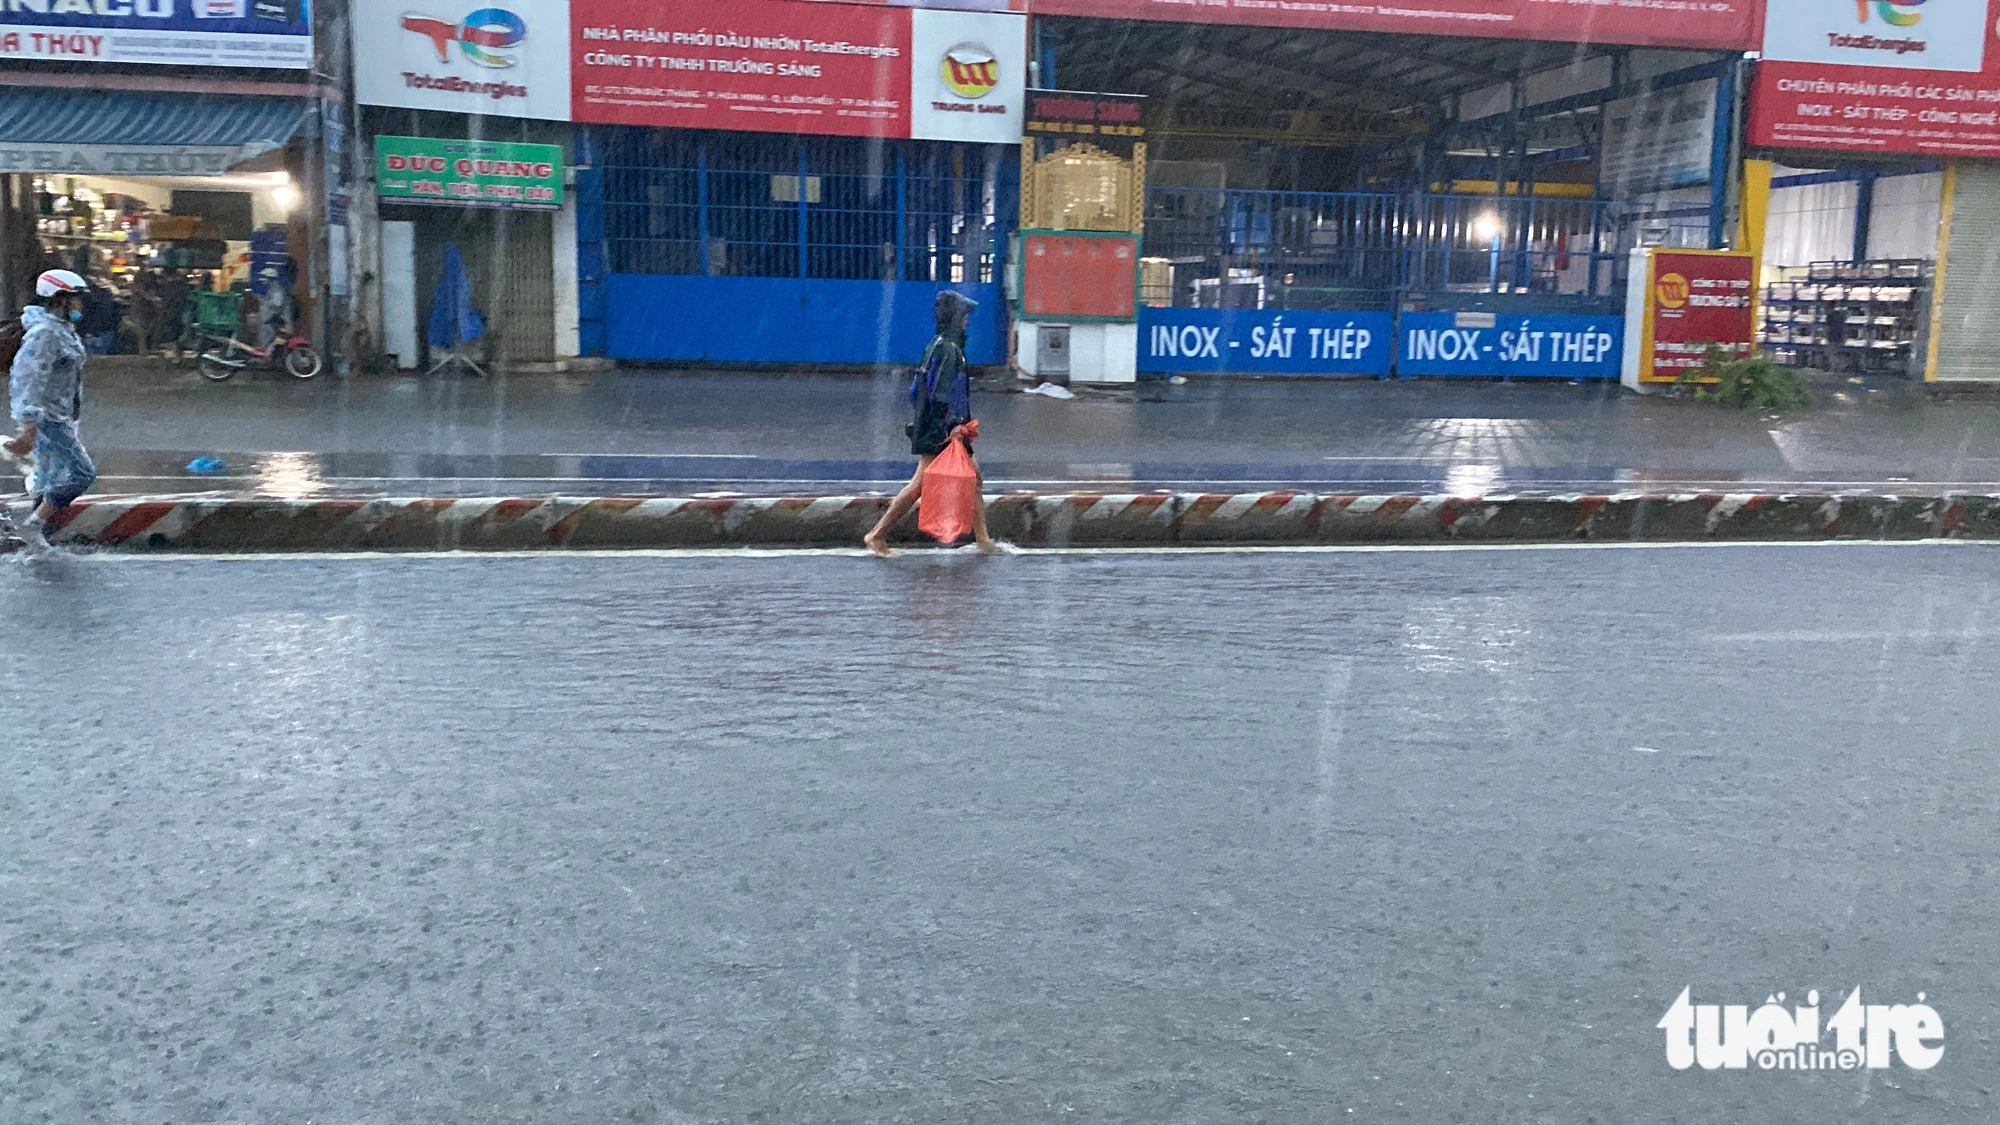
<point x="1746" y="383"/>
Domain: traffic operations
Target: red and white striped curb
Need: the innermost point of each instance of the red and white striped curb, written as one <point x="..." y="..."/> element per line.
<point x="221" y="523"/>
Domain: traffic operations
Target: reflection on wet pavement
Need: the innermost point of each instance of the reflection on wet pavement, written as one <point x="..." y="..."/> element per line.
<point x="302" y="475"/>
<point x="645" y="432"/>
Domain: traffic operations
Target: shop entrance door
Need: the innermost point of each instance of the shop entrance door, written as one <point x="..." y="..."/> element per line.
<point x="508" y="255"/>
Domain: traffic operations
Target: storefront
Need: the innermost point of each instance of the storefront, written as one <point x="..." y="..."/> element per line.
<point x="498" y="204"/>
<point x="793" y="188"/>
<point x="463" y="143"/>
<point x="1875" y="145"/>
<point x="798" y="187"/>
<point x="158" y="156"/>
<point x="1461" y="200"/>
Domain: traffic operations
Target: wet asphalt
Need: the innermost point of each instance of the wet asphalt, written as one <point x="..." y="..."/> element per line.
<point x="1394" y="837"/>
<point x="673" y="432"/>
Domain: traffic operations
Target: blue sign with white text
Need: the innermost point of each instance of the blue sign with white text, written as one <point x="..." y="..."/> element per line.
<point x="1264" y="342"/>
<point x="1564" y="346"/>
<point x="274" y="34"/>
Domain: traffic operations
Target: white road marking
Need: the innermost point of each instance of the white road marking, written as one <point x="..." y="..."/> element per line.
<point x="554" y="553"/>
<point x="653" y="456"/>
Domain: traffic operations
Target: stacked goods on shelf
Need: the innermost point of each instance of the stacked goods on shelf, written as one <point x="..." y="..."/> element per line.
<point x="1846" y="316"/>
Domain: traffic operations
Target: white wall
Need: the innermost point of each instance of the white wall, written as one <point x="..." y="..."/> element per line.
<point x="397" y="259"/>
<point x="1904" y="221"/>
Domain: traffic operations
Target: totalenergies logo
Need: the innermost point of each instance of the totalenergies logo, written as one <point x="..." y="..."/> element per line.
<point x="1671" y="290"/>
<point x="1895" y="13"/>
<point x="482" y="37"/>
<point x="970" y="70"/>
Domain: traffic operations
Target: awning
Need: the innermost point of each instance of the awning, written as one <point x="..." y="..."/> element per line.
<point x="100" y="132"/>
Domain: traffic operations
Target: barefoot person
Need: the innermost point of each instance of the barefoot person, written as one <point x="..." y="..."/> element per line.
<point x="45" y="387"/>
<point x="941" y="395"/>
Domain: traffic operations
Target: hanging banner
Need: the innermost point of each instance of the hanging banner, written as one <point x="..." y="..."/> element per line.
<point x="469" y="173"/>
<point x="1880" y="76"/>
<point x="799" y="66"/>
<point x="464" y="56"/>
<point x="1680" y="303"/>
<point x="1264" y="342"/>
<point x="1662" y="140"/>
<point x="1707" y="24"/>
<point x="1536" y="346"/>
<point x="267" y="34"/>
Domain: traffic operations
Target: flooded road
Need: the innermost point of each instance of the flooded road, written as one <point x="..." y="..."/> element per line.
<point x="1423" y="836"/>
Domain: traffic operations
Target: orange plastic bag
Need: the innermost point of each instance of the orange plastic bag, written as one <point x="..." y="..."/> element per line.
<point x="951" y="491"/>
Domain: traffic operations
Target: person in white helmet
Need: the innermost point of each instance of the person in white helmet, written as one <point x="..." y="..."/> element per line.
<point x="45" y="388"/>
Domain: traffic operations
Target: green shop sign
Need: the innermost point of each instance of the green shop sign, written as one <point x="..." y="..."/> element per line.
<point x="469" y="173"/>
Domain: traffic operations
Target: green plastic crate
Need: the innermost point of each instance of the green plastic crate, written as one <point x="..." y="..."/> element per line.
<point x="216" y="312"/>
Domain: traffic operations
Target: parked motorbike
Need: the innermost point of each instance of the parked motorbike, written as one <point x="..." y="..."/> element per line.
<point x="226" y="355"/>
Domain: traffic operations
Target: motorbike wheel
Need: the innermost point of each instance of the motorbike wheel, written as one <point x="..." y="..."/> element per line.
<point x="302" y="362"/>
<point x="213" y="367"/>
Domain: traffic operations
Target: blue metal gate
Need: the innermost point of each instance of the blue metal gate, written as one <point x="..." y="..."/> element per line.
<point x="748" y="248"/>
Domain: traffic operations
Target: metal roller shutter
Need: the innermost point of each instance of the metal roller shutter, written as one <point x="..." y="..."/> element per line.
<point x="508" y="255"/>
<point x="1969" y="322"/>
<point x="523" y="285"/>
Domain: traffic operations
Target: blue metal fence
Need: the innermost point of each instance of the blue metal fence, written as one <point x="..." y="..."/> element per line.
<point x="1510" y="244"/>
<point x="833" y="208"/>
<point x="1272" y="249"/>
<point x="827" y="208"/>
<point x="1219" y="248"/>
<point x="821" y="223"/>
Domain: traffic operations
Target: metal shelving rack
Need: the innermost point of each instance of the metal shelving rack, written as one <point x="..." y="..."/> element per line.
<point x="1880" y="306"/>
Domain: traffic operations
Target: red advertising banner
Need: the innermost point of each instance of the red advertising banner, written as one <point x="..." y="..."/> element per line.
<point x="1694" y="299"/>
<point x="1084" y="276"/>
<point x="1880" y="76"/>
<point x="1729" y="25"/>
<point x="953" y="5"/>
<point x="781" y="66"/>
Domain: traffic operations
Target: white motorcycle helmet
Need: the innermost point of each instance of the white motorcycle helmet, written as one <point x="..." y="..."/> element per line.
<point x="59" y="281"/>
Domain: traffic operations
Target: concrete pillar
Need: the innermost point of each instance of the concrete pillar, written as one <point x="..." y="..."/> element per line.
<point x="563" y="265"/>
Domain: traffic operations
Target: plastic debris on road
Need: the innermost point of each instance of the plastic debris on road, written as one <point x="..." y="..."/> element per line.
<point x="206" y="466"/>
<point x="1050" y="390"/>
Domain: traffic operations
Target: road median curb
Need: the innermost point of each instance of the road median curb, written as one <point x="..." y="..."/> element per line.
<point x="208" y="523"/>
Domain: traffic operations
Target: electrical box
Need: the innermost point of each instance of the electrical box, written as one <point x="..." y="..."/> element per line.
<point x="1101" y="352"/>
<point x="1052" y="351"/>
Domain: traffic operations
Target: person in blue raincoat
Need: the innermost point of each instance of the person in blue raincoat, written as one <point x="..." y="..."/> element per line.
<point x="941" y="401"/>
<point x="45" y="391"/>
